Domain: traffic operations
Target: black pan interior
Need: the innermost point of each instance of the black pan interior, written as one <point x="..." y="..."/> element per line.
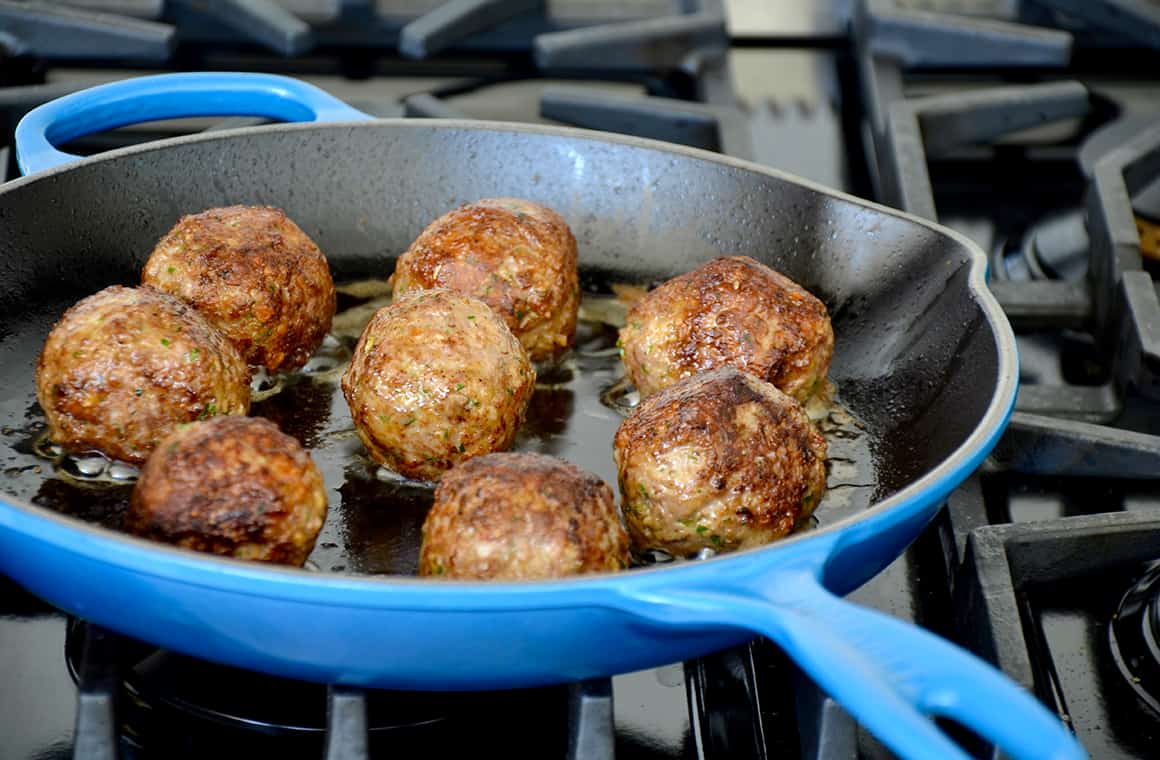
<point x="915" y="363"/>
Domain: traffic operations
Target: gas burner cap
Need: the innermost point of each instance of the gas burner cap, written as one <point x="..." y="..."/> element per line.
<point x="1056" y="247"/>
<point x="1134" y="635"/>
<point x="205" y="693"/>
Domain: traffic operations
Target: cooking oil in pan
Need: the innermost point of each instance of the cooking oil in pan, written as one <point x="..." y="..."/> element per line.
<point x="375" y="518"/>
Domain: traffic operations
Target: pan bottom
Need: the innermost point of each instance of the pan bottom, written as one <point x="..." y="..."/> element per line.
<point x="375" y="518"/>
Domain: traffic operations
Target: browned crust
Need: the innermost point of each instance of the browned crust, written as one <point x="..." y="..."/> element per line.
<point x="124" y="367"/>
<point x="517" y="256"/>
<point x="437" y="378"/>
<point x="231" y="485"/>
<point x="731" y="311"/>
<point x="255" y="274"/>
<point x="721" y="461"/>
<point x="520" y="516"/>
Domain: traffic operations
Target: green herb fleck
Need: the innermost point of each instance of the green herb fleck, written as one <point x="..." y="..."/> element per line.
<point x="138" y="392"/>
<point x="76" y="354"/>
<point x="702" y="530"/>
<point x="209" y="410"/>
<point x="459" y="386"/>
<point x="520" y="314"/>
<point x="191" y="355"/>
<point x="715" y="539"/>
<point x="438" y="568"/>
<point x="409" y="421"/>
<point x="473" y="402"/>
<point x="461" y="448"/>
<point x="165" y="341"/>
<point x="510" y="392"/>
<point x="171" y="270"/>
<point x="471" y="317"/>
<point x="643" y="491"/>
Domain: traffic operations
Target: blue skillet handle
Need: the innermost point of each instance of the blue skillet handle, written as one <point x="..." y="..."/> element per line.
<point x="168" y="96"/>
<point x="891" y="676"/>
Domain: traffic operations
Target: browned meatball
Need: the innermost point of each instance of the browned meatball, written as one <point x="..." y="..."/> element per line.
<point x="729" y="312"/>
<point x="517" y="256"/>
<point x="721" y="461"/>
<point x="517" y="516"/>
<point x="437" y="378"/>
<point x="256" y="275"/>
<point x="236" y="486"/>
<point x="124" y="367"/>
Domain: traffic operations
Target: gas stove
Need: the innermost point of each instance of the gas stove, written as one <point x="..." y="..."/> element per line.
<point x="1032" y="127"/>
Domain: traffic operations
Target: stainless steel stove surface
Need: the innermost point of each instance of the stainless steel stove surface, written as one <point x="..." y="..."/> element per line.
<point x="1033" y="127"/>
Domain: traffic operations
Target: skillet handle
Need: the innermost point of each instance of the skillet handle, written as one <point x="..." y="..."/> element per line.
<point x="167" y="96"/>
<point x="891" y="676"/>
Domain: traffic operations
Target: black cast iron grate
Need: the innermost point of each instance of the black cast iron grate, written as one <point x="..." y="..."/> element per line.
<point x="135" y="700"/>
<point x="121" y="682"/>
<point x="1054" y="429"/>
<point x="679" y="55"/>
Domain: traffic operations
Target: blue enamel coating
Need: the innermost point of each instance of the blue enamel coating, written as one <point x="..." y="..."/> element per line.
<point x="407" y="633"/>
<point x="168" y="96"/>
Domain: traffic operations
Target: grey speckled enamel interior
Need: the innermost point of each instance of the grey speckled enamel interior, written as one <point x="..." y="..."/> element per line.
<point x="917" y="358"/>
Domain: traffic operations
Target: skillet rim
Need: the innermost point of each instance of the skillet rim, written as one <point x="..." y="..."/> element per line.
<point x="160" y="560"/>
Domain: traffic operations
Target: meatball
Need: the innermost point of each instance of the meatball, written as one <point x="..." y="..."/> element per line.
<point x="124" y="367"/>
<point x="437" y="378"/>
<point x="729" y="312"/>
<point x="236" y="486"/>
<point x="517" y="256"/>
<point x="256" y="275"/>
<point x="517" y="516"/>
<point x="721" y="461"/>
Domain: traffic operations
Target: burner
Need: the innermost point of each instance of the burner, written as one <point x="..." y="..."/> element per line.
<point x="179" y="708"/>
<point x="1134" y="635"/>
<point x="1057" y="246"/>
<point x="217" y="696"/>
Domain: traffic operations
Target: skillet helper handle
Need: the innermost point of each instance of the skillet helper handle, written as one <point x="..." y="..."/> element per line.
<point x="891" y="676"/>
<point x="167" y="96"/>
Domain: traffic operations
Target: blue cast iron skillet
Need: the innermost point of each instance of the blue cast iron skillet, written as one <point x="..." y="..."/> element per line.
<point x="924" y="358"/>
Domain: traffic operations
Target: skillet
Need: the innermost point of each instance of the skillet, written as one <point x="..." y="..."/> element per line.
<point x="925" y="370"/>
